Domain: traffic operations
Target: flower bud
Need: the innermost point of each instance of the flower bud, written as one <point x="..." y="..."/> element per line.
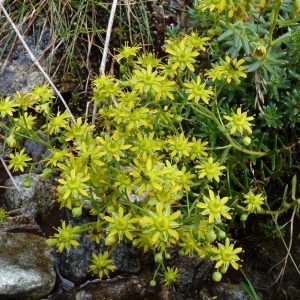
<point x="158" y="257"/>
<point x="178" y="118"/>
<point x="11" y="141"/>
<point x="217" y="276"/>
<point x="246" y="141"/>
<point x="110" y="240"/>
<point x="210" y="236"/>
<point x="77" y="212"/>
<point x="152" y="283"/>
<point x="243" y="217"/>
<point x="221" y="234"/>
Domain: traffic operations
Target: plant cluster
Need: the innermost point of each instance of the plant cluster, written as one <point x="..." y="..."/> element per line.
<point x="181" y="135"/>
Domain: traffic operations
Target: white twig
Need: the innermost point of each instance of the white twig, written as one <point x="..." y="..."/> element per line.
<point x="105" y="49"/>
<point x="35" y="61"/>
<point x="7" y="171"/>
<point x="108" y="34"/>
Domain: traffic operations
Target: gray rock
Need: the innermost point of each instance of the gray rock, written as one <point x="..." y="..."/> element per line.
<point x="18" y="73"/>
<point x="26" y="267"/>
<point x="126" y="259"/>
<point x="34" y="201"/>
<point x="74" y="265"/>
<point x="193" y="271"/>
<point x="136" y="287"/>
<point x="226" y="291"/>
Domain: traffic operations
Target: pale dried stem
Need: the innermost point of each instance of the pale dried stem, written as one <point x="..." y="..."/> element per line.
<point x="8" y="172"/>
<point x="105" y="52"/>
<point x="285" y="259"/>
<point x="35" y="61"/>
<point x="260" y="86"/>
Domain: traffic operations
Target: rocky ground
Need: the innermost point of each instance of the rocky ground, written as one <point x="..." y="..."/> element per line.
<point x="30" y="270"/>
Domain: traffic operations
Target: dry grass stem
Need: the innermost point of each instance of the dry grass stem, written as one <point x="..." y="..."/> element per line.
<point x="35" y="61"/>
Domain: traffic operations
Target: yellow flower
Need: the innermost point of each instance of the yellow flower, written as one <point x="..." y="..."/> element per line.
<point x="101" y="265"/>
<point x="170" y="276"/>
<point x="182" y="55"/>
<point x="58" y="122"/>
<point x="210" y="169"/>
<point x="147" y="59"/>
<point x="148" y="175"/>
<point x="18" y="160"/>
<point x="161" y="224"/>
<point x="239" y="122"/>
<point x="218" y="5"/>
<point x="214" y="206"/>
<point x="197" y="41"/>
<point x="145" y="145"/>
<point x="197" y="91"/>
<point x="254" y="201"/>
<point x="127" y="52"/>
<point x="73" y="184"/>
<point x="226" y="255"/>
<point x="179" y="145"/>
<point x="146" y="80"/>
<point x="198" y="149"/>
<point x="7" y="107"/>
<point x="189" y="245"/>
<point x="230" y="69"/>
<point x="120" y="224"/>
<point x="112" y="146"/>
<point x="42" y="94"/>
<point x="65" y="238"/>
<point x="233" y="69"/>
<point x="25" y="122"/>
<point x="78" y="132"/>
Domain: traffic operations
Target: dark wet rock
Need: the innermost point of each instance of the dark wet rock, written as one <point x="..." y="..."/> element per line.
<point x="26" y="267"/>
<point x="126" y="259"/>
<point x="74" y="265"/>
<point x="35" y="200"/>
<point x="269" y="267"/>
<point x="205" y="294"/>
<point x="226" y="291"/>
<point x="135" y="288"/>
<point x="193" y="272"/>
<point x="37" y="151"/>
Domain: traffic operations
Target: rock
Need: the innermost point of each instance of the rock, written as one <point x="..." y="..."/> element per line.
<point x="205" y="294"/>
<point x="74" y="265"/>
<point x="34" y="201"/>
<point x="136" y="288"/>
<point x="193" y="272"/>
<point x="126" y="259"/>
<point x="26" y="267"/>
<point x="18" y="72"/>
<point x="37" y="151"/>
<point x="226" y="291"/>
